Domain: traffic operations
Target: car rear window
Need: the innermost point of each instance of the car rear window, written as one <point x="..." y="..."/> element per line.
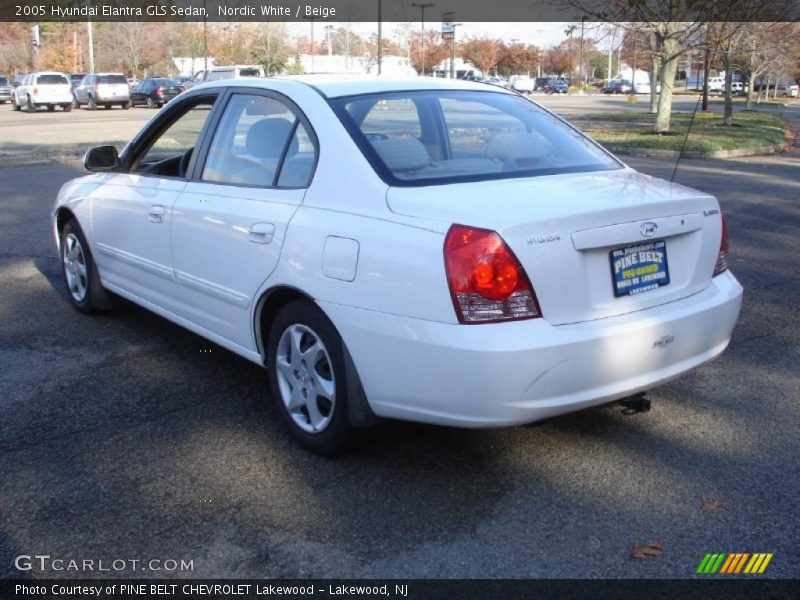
<point x="221" y="74"/>
<point x="51" y="79"/>
<point x="165" y="82"/>
<point x="3" y="81"/>
<point x="433" y="137"/>
<point x="112" y="79"/>
<point x="249" y="73"/>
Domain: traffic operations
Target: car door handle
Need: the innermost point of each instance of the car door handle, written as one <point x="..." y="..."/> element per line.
<point x="156" y="214"/>
<point x="261" y="233"/>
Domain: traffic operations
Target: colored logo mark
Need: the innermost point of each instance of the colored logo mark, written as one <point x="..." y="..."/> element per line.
<point x="734" y="562"/>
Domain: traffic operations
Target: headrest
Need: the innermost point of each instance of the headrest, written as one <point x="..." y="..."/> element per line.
<point x="405" y="154"/>
<point x="517" y="145"/>
<point x="267" y="137"/>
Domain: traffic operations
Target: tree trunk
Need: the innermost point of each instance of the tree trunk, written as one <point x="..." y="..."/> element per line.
<point x="751" y="82"/>
<point x="654" y="84"/>
<point x="669" y="67"/>
<point x="727" y="115"/>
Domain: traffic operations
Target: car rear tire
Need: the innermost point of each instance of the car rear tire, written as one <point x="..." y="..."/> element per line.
<point x="91" y="105"/>
<point x="31" y="105"/>
<point x="150" y="103"/>
<point x="107" y="107"/>
<point x="75" y="103"/>
<point x="51" y="107"/>
<point x="127" y="105"/>
<point x="308" y="378"/>
<point x="66" y="107"/>
<point x="85" y="291"/>
<point x="14" y="106"/>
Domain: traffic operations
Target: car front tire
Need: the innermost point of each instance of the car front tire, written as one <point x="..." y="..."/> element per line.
<point x="150" y="103"/>
<point x="91" y="105"/>
<point x="14" y="106"/>
<point x="85" y="291"/>
<point x="308" y="380"/>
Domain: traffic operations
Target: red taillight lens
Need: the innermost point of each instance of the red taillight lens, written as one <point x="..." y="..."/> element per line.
<point x="724" y="248"/>
<point x="181" y="89"/>
<point x="35" y="91"/>
<point x="487" y="282"/>
<point x="158" y="91"/>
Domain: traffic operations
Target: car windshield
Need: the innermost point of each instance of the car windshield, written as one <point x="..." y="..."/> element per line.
<point x="51" y="79"/>
<point x="430" y="137"/>
<point x="3" y="81"/>
<point x="112" y="79"/>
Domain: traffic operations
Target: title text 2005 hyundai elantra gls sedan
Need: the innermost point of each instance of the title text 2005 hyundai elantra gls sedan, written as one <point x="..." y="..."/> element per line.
<point x="429" y="250"/>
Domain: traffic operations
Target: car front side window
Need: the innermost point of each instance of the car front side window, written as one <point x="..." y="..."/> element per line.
<point x="169" y="152"/>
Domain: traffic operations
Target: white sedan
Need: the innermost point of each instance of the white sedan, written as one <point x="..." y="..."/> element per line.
<point x="429" y="250"/>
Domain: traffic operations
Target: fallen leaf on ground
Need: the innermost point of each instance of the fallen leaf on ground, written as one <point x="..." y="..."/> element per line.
<point x="712" y="506"/>
<point x="648" y="550"/>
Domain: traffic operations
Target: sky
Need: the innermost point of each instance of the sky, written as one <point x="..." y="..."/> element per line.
<point x="541" y="34"/>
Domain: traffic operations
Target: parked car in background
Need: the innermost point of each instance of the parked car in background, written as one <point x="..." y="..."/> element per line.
<point x="790" y="91"/>
<point x="557" y="87"/>
<point x="521" y="83"/>
<point x="103" y="89"/>
<point x="6" y="91"/>
<point x="226" y="72"/>
<point x="75" y="80"/>
<point x="540" y="83"/>
<point x="495" y="81"/>
<point x="46" y="88"/>
<point x="154" y="92"/>
<point x="617" y="86"/>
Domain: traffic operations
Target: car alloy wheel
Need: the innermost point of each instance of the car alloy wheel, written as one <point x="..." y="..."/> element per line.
<point x="310" y="376"/>
<point x="91" y="104"/>
<point x="86" y="292"/>
<point x="306" y="379"/>
<point x="75" y="268"/>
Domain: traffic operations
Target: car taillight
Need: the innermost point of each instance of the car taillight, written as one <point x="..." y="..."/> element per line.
<point x="35" y="91"/>
<point x="158" y="91"/>
<point x="724" y="248"/>
<point x="181" y="89"/>
<point x="487" y="282"/>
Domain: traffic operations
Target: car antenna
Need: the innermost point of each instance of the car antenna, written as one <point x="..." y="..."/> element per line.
<point x="686" y="138"/>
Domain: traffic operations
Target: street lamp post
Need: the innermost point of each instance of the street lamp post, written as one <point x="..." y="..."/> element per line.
<point x="453" y="52"/>
<point x="311" y="21"/>
<point x="422" y="6"/>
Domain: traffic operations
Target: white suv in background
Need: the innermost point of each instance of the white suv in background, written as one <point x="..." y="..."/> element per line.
<point x="47" y="88"/>
<point x="225" y="72"/>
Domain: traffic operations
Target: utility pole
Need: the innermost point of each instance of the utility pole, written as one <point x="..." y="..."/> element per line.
<point x="580" y="67"/>
<point x="91" y="48"/>
<point x="422" y="6"/>
<point x="380" y="35"/>
<point x="205" y="39"/>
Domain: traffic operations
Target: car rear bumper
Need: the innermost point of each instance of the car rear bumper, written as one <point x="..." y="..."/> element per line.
<point x="52" y="99"/>
<point x="519" y="372"/>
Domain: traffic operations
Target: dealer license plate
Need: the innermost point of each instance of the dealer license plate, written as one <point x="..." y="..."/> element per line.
<point x="640" y="268"/>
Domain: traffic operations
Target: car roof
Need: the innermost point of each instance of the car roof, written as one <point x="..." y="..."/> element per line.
<point x="335" y="86"/>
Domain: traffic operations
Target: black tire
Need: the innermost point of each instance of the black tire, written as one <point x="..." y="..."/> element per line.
<point x="90" y="104"/>
<point x="75" y="103"/>
<point x="150" y="103"/>
<point x="51" y="107"/>
<point x="107" y="107"/>
<point x="301" y="314"/>
<point x="95" y="297"/>
<point x="66" y="107"/>
<point x="127" y="105"/>
<point x="31" y="105"/>
<point x="14" y="106"/>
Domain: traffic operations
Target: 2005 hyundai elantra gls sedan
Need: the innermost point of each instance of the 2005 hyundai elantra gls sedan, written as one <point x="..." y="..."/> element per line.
<point x="428" y="250"/>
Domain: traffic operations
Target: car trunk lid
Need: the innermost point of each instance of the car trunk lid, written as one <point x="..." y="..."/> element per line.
<point x="564" y="228"/>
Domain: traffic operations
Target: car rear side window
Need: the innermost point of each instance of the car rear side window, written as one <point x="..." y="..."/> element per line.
<point x="249" y="73"/>
<point x="260" y="142"/>
<point x="221" y="74"/>
<point x="52" y="80"/>
<point x="432" y="137"/>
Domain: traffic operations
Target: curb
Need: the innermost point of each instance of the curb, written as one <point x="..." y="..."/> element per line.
<point x="658" y="153"/>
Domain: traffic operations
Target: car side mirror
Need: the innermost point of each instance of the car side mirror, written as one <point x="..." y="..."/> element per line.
<point x="101" y="158"/>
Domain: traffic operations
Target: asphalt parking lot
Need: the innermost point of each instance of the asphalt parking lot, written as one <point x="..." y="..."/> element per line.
<point x="123" y="436"/>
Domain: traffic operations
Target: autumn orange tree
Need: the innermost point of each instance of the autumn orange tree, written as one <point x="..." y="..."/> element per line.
<point x="483" y="52"/>
<point x="518" y="59"/>
<point x="435" y="51"/>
